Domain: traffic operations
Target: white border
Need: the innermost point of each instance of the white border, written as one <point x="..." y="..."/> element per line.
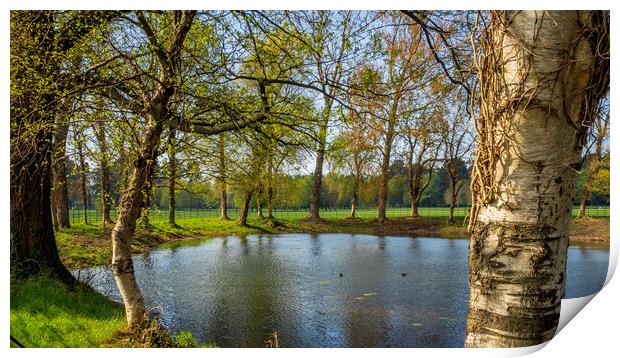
<point x="593" y="332"/>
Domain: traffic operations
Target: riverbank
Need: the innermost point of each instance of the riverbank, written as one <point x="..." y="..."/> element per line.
<point x="89" y="245"/>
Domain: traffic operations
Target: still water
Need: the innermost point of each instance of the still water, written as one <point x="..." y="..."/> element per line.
<point x="327" y="290"/>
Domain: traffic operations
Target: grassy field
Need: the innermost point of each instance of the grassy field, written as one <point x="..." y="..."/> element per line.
<point x="161" y="215"/>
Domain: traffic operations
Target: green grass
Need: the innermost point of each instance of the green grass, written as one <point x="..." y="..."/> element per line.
<point x="78" y="245"/>
<point x="45" y="313"/>
<point x="90" y="245"/>
<point x="161" y="215"/>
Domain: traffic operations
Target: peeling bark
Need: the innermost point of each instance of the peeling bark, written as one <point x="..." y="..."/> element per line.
<point x="519" y="241"/>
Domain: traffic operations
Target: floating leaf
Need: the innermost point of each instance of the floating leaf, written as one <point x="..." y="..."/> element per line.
<point x="369" y="294"/>
<point x="358" y="298"/>
<point x="417" y="324"/>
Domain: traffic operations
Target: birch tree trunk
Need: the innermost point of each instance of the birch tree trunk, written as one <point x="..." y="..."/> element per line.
<point x="542" y="75"/>
<point x="156" y="109"/>
<point x="128" y="213"/>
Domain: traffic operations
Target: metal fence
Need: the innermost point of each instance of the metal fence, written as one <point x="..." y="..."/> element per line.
<point x="161" y="215"/>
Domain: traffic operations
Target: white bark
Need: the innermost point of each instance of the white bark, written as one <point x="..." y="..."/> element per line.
<point x="520" y="232"/>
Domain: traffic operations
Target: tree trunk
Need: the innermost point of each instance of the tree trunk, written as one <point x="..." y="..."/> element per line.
<point x="129" y="208"/>
<point x="104" y="161"/>
<point x="259" y="206"/>
<point x="222" y="179"/>
<point x="270" y="202"/>
<point x="245" y="208"/>
<point x="60" y="196"/>
<point x="453" y="195"/>
<point x="583" y="202"/>
<point x="595" y="166"/>
<point x="317" y="178"/>
<point x="414" y="178"/>
<point x="32" y="111"/>
<point x="270" y="179"/>
<point x="385" y="171"/>
<point x="355" y="197"/>
<point x="540" y="81"/>
<point x="84" y="192"/>
<point x="172" y="177"/>
<point x="33" y="245"/>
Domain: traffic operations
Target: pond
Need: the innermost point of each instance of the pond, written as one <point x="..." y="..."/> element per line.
<point x="327" y="290"/>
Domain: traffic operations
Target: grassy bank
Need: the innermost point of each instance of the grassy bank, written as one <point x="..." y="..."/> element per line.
<point x="88" y="245"/>
<point x="45" y="313"/>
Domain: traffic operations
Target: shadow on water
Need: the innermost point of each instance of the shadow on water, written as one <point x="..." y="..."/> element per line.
<point x="325" y="290"/>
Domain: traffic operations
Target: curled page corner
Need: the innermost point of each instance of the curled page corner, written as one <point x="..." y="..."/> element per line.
<point x="571" y="307"/>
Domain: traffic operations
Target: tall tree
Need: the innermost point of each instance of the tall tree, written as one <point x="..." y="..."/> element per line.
<point x="104" y="167"/>
<point x="60" y="196"/>
<point x="600" y="133"/>
<point x="172" y="177"/>
<point x="421" y="151"/>
<point x="156" y="108"/>
<point x="541" y="77"/>
<point x="40" y="43"/>
<point x="221" y="146"/>
<point x="403" y="70"/>
<point x="79" y="144"/>
<point x="329" y="71"/>
<point x="457" y="144"/>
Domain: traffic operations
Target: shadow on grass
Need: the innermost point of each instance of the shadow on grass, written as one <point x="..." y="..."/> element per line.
<point x="46" y="313"/>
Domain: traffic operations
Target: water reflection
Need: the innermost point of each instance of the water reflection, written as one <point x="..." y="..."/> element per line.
<point x="393" y="292"/>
